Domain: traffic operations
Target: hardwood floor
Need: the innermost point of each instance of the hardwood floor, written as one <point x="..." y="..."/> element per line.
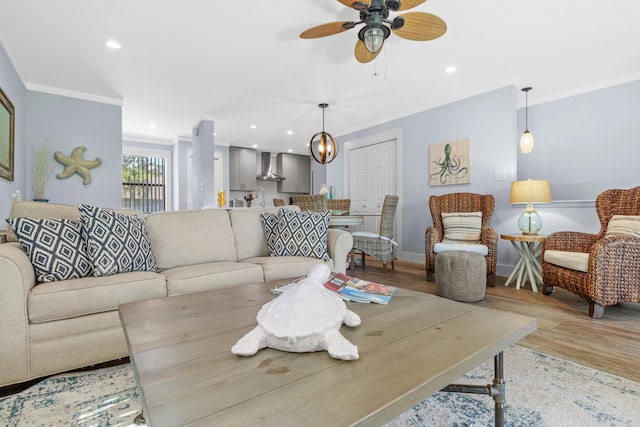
<point x="565" y="330"/>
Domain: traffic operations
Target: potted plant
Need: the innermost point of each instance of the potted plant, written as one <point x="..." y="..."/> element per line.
<point x="42" y="170"/>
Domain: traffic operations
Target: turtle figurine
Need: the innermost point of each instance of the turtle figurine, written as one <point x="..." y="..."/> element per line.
<point x="305" y="317"/>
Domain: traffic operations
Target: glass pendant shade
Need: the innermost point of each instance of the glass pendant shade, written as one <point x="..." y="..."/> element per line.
<point x="526" y="142"/>
<point x="373" y="39"/>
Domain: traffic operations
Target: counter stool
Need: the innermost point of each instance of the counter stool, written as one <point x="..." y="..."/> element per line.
<point x="461" y="275"/>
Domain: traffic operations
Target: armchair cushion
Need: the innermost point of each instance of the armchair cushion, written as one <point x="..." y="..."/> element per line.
<point x="624" y="225"/>
<point x="462" y="227"/>
<point x="578" y="261"/>
<point x="55" y="248"/>
<point x="465" y="247"/>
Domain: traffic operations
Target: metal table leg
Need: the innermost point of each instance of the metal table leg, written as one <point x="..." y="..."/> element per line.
<point x="495" y="390"/>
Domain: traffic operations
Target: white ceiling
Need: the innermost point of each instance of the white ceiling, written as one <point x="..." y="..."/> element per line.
<point x="242" y="62"/>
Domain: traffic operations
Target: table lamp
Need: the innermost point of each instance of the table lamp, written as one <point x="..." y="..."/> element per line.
<point x="529" y="192"/>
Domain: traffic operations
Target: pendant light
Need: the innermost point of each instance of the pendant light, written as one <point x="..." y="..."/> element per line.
<point x="323" y="147"/>
<point x="526" y="140"/>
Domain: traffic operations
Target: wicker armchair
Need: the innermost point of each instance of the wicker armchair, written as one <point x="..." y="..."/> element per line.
<point x="380" y="245"/>
<point x="613" y="269"/>
<point x="339" y="205"/>
<point x="462" y="202"/>
<point x="278" y="202"/>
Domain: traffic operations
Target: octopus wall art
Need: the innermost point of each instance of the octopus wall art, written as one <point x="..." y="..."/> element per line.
<point x="449" y="163"/>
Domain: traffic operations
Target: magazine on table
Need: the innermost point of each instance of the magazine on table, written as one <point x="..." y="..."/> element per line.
<point x="358" y="290"/>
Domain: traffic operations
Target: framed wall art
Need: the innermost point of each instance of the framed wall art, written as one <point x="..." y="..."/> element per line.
<point x="449" y="163"/>
<point x="6" y="137"/>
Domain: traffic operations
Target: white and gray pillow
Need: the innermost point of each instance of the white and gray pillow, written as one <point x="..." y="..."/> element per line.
<point x="55" y="248"/>
<point x="116" y="243"/>
<point x="462" y="227"/>
<point x="292" y="233"/>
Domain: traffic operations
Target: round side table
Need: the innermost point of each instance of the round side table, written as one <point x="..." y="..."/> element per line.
<point x="529" y="247"/>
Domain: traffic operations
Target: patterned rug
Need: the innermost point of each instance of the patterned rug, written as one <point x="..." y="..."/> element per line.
<point x="541" y="391"/>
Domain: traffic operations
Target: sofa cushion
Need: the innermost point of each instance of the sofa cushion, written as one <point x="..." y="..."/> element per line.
<point x="624" y="225"/>
<point x="78" y="297"/>
<point x="181" y="238"/>
<point x="578" y="261"/>
<point x="55" y="248"/>
<point x="301" y="234"/>
<point x="212" y="275"/>
<point x="286" y="267"/>
<point x="116" y="243"/>
<point x="462" y="227"/>
<point x="39" y="210"/>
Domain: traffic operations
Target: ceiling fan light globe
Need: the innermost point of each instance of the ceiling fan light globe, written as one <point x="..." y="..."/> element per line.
<point x="373" y="39"/>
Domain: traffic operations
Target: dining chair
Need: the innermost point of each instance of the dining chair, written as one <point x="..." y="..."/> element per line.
<point x="278" y="202"/>
<point x="342" y="205"/>
<point x="311" y="202"/>
<point x="378" y="245"/>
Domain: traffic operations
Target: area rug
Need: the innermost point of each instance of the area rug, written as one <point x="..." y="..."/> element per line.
<point x="541" y="391"/>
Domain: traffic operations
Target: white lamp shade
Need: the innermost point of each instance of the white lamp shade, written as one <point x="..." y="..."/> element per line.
<point x="526" y="142"/>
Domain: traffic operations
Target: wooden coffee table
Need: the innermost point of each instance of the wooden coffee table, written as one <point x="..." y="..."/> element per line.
<point x="415" y="346"/>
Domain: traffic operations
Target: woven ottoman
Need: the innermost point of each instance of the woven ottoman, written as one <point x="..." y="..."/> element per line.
<point x="461" y="276"/>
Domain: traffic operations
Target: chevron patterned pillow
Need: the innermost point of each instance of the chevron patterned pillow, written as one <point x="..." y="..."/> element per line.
<point x="55" y="248"/>
<point x="116" y="243"/>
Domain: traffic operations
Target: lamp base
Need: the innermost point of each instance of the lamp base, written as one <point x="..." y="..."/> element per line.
<point x="529" y="222"/>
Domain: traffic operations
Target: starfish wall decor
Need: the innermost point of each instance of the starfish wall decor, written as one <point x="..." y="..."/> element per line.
<point x="76" y="164"/>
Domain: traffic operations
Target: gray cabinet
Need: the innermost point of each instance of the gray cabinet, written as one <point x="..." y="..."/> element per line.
<point x="242" y="169"/>
<point x="297" y="173"/>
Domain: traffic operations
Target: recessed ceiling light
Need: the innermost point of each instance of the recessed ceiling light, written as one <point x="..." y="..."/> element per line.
<point x="290" y="150"/>
<point x="253" y="126"/>
<point x="289" y="132"/>
<point x="113" y="44"/>
<point x="152" y="125"/>
<point x="255" y="145"/>
<point x="450" y="69"/>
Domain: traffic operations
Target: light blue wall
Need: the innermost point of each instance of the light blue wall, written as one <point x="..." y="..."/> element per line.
<point x="489" y="122"/>
<point x="14" y="89"/>
<point x="66" y="123"/>
<point x="585" y="144"/>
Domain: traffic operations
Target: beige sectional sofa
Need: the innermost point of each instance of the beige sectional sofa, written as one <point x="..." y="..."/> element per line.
<point x="57" y="326"/>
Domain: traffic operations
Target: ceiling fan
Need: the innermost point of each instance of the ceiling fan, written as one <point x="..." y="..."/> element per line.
<point x="374" y="14"/>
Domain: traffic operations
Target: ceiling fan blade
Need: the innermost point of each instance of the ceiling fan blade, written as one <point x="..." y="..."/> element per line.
<point x="410" y="4"/>
<point x="357" y="4"/>
<point x="421" y="26"/>
<point x="362" y="53"/>
<point x="327" y="29"/>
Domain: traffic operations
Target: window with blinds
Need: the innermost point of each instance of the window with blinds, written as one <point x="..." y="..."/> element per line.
<point x="143" y="183"/>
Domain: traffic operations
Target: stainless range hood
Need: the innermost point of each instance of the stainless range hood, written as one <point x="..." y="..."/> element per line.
<point x="265" y="169"/>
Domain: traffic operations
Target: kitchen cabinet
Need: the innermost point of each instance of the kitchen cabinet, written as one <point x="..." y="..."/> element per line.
<point x="242" y="169"/>
<point x="296" y="170"/>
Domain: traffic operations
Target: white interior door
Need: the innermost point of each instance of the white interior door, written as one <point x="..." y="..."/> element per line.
<point x="372" y="175"/>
